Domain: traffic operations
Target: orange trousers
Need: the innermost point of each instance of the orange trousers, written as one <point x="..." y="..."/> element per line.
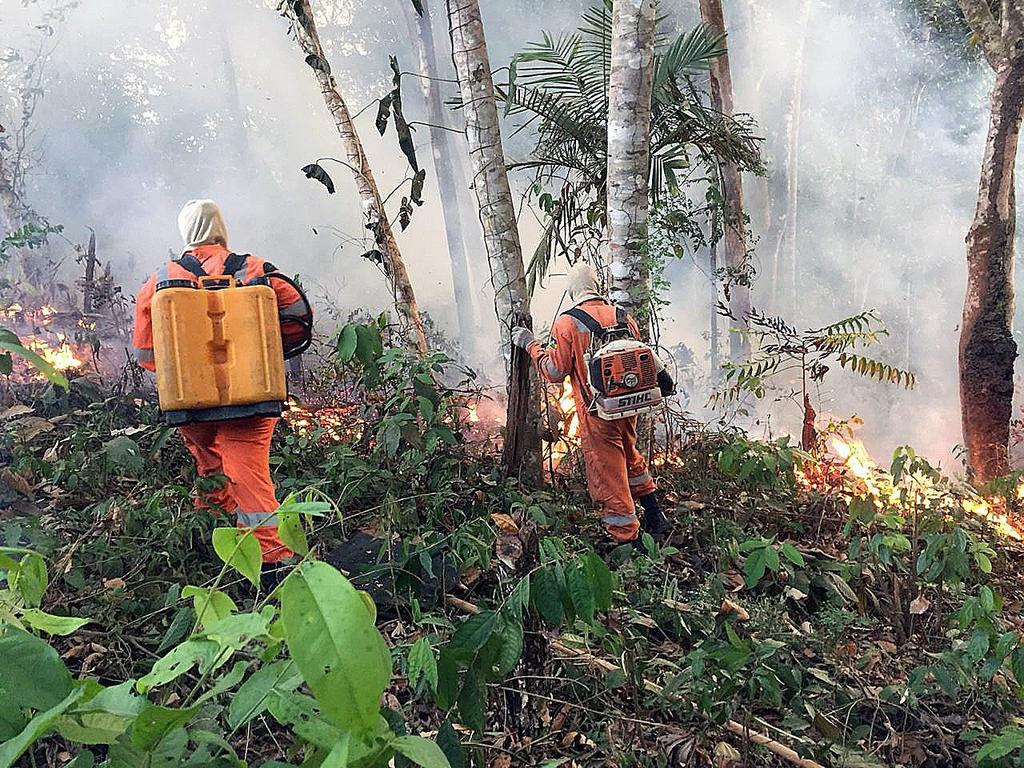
<point x="617" y="473"/>
<point x="240" y="450"/>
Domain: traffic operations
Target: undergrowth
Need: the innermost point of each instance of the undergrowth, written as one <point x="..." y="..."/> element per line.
<point x="854" y="625"/>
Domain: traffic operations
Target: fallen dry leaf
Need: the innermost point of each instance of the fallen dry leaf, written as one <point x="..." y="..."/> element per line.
<point x="115" y="583"/>
<point x="17" y="483"/>
<point x="887" y="646"/>
<point x="729" y="607"/>
<point x="501" y="761"/>
<point x="726" y="755"/>
<point x="919" y="605"/>
<point x="505" y="523"/>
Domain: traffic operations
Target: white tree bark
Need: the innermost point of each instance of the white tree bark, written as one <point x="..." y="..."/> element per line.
<point x="445" y="170"/>
<point x="501" y="234"/>
<point x="629" y="147"/>
<point x="301" y="14"/>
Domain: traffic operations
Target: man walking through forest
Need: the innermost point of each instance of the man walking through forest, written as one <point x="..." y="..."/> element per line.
<point x="236" y="445"/>
<point x="617" y="474"/>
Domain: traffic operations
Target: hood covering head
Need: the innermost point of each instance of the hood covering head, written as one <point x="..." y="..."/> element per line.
<point x="201" y="223"/>
<point x="584" y="283"/>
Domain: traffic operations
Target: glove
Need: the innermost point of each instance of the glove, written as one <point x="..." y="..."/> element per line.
<point x="522" y="337"/>
<point x="665" y="383"/>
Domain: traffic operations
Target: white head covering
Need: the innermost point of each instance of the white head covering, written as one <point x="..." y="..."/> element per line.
<point x="584" y="283"/>
<point x="201" y="223"/>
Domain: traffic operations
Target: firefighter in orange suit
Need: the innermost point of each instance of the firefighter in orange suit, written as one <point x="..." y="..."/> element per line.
<point x="237" y="447"/>
<point x="617" y="474"/>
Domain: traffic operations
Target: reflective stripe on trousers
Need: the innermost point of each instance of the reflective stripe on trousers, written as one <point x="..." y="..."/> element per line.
<point x="256" y="519"/>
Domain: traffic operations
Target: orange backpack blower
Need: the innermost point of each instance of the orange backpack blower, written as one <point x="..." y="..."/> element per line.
<point x="622" y="372"/>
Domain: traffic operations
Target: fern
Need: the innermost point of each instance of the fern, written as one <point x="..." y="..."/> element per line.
<point x="781" y="348"/>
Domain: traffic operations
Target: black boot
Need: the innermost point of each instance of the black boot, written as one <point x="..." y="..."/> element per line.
<point x="654" y="522"/>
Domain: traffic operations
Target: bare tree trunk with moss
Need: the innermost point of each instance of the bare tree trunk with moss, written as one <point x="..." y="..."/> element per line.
<point x="443" y="153"/>
<point x="987" y="347"/>
<point x="630" y="82"/>
<point x="735" y="220"/>
<point x="300" y="13"/>
<point x="521" y="454"/>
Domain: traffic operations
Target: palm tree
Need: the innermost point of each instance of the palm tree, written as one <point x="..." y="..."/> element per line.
<point x="560" y="85"/>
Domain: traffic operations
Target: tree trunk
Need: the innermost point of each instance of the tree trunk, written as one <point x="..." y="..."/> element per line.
<point x="301" y="13"/>
<point x="788" y="231"/>
<point x="630" y="82"/>
<point x="444" y="157"/>
<point x="521" y="454"/>
<point x="735" y="245"/>
<point x="10" y="207"/>
<point x="987" y="348"/>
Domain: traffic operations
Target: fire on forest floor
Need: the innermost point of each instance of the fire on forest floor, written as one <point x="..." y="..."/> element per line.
<point x="845" y="468"/>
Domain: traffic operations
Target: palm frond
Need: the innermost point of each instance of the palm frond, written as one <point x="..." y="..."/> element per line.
<point x="689" y="54"/>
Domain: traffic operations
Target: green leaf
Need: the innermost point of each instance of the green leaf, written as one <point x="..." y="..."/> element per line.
<point x="792" y="554"/>
<point x="755" y="566"/>
<point x="179" y="661"/>
<point x="34" y="360"/>
<point x="474" y="632"/>
<point x="292" y="532"/>
<point x="422" y="663"/>
<point x="510" y="637"/>
<point x="31" y="579"/>
<point x="31" y="672"/>
<point x="251" y="700"/>
<point x="181" y="625"/>
<point x="168" y="753"/>
<point x="50" y="624"/>
<point x="210" y="605"/>
<point x="124" y="453"/>
<point x="546" y="594"/>
<point x="239" y="549"/>
<point x="347" y="341"/>
<point x="473" y="702"/>
<point x="421" y="751"/>
<point x="332" y="639"/>
<point x="338" y="756"/>
<point x="580" y="592"/>
<point x="600" y="579"/>
<point x="448" y="742"/>
<point x="103" y="718"/>
<point x="37" y="727"/>
<point x="154" y="723"/>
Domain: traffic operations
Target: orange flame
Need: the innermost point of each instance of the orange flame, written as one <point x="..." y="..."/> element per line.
<point x="848" y="464"/>
<point x="61" y="355"/>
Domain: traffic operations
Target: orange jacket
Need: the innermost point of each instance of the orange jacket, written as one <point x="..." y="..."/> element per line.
<point x="212" y="257"/>
<point x="564" y="353"/>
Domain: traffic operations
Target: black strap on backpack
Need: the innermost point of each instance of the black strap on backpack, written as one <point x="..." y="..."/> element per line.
<point x="191" y="264"/>
<point x="595" y="328"/>
<point x="232" y="265"/>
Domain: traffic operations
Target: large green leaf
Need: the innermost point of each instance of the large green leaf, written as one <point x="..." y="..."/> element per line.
<point x="474" y="632"/>
<point x="250" y="700"/>
<point x="104" y="717"/>
<point x="38" y="727"/>
<point x="154" y="723"/>
<point x="421" y="751"/>
<point x="31" y="672"/>
<point x="347" y="341"/>
<point x="168" y="753"/>
<point x="239" y="548"/>
<point x="546" y="594"/>
<point x="31" y="578"/>
<point x="332" y="639"/>
<point x="580" y="590"/>
<point x="210" y="605"/>
<point x="50" y="624"/>
<point x="179" y="661"/>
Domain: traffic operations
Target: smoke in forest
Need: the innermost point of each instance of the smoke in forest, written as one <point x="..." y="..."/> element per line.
<point x="147" y="104"/>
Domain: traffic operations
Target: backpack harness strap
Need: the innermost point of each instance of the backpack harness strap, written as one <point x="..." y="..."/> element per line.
<point x="234" y="265"/>
<point x="596" y="329"/>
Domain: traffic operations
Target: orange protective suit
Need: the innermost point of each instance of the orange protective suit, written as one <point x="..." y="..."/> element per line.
<point x="237" y="448"/>
<point x="617" y="473"/>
